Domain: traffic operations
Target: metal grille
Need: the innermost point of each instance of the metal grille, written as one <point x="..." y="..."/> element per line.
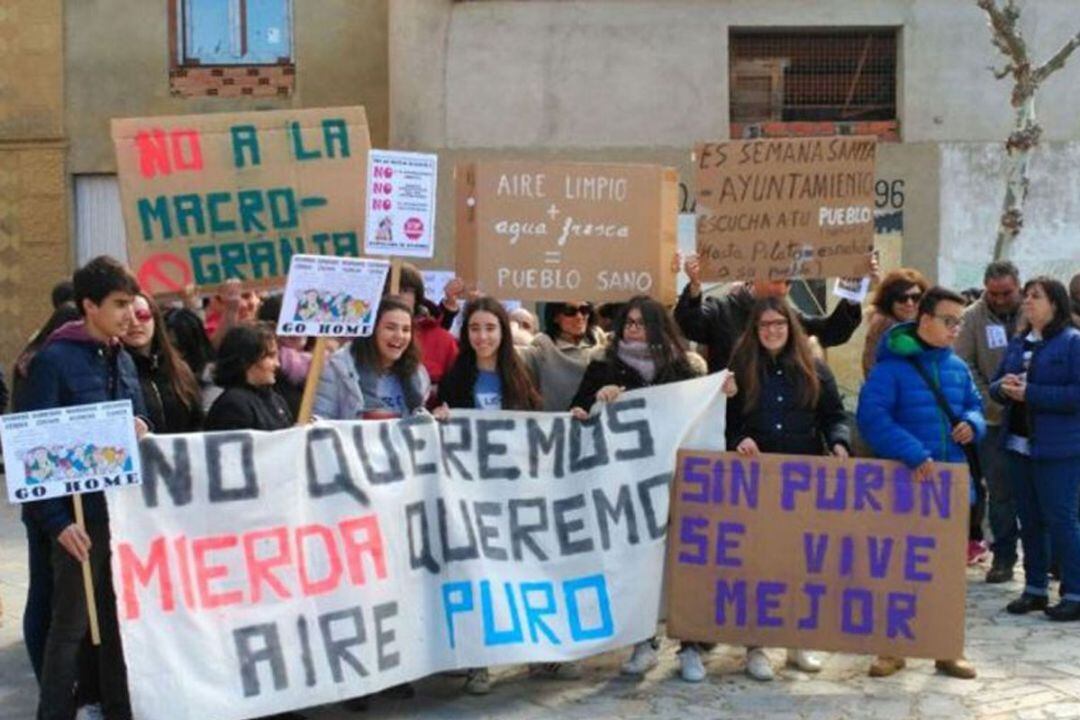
<point x="813" y="75"/>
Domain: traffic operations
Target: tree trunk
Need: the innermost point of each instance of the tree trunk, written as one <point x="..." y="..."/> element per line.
<point x="1023" y="139"/>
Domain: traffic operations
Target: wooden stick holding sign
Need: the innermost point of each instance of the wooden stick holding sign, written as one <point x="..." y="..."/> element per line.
<point x="395" y="275"/>
<point x="327" y="297"/>
<point x="87" y="575"/>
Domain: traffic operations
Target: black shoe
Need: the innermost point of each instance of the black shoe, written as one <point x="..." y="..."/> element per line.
<point x="404" y="691"/>
<point x="1064" y="611"/>
<point x="1027" y="603"/>
<point x="999" y="574"/>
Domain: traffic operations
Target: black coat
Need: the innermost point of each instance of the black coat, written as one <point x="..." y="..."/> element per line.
<point x="778" y="424"/>
<point x="719" y="322"/>
<point x="603" y="372"/>
<point x="167" y="412"/>
<point x="242" y="407"/>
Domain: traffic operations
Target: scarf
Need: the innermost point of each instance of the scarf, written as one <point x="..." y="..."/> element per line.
<point x="638" y="356"/>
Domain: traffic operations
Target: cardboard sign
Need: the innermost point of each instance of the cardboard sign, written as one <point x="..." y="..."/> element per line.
<point x="63" y="451"/>
<point x="332" y="296"/>
<point x="296" y="568"/>
<point x="207" y="198"/>
<point x="853" y="289"/>
<point x="567" y="231"/>
<point x="818" y="553"/>
<point x="787" y="208"/>
<point x="401" y="208"/>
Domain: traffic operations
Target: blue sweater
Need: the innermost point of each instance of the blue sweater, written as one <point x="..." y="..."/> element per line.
<point x="1052" y="400"/>
<point x="898" y="415"/>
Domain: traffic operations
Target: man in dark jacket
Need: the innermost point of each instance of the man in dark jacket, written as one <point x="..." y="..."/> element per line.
<point x="718" y="323"/>
<point x="84" y="362"/>
<point x="901" y="420"/>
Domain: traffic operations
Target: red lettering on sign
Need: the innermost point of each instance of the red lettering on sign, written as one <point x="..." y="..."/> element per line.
<point x="206" y="572"/>
<point x="131" y="570"/>
<point x="161" y="152"/>
<point x="310" y="587"/>
<point x="164" y="273"/>
<point x="372" y="545"/>
<point x="259" y="569"/>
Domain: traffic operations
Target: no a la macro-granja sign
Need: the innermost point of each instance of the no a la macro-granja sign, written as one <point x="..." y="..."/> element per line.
<point x="211" y="197"/>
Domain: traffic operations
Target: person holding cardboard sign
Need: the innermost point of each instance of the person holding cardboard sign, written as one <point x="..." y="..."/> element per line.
<point x="920" y="406"/>
<point x="789" y="403"/>
<point x="81" y="363"/>
<point x="719" y="322"/>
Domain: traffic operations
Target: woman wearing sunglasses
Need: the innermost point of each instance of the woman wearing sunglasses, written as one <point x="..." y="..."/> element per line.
<point x="896" y="301"/>
<point x="558" y="356"/>
<point x="172" y="394"/>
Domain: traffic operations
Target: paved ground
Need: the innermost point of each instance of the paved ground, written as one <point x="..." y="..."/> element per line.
<point x="1029" y="669"/>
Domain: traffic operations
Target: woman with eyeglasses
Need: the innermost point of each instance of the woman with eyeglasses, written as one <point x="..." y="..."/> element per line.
<point x="1039" y="385"/>
<point x="172" y="394"/>
<point x="788" y="402"/>
<point x="646" y="349"/>
<point x="558" y="356"/>
<point x="246" y="368"/>
<point x="896" y="301"/>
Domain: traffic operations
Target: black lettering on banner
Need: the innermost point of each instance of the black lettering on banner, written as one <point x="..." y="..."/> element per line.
<point x="393" y="472"/>
<point x="488" y="532"/>
<point x="424" y="559"/>
<point x="564" y="526"/>
<point x="250" y="657"/>
<point x="487" y="449"/>
<point x="545" y="444"/>
<point x="624" y="506"/>
<point x="465" y="552"/>
<point x="599" y="457"/>
<point x="177" y="476"/>
<point x="450" y="449"/>
<point x="337" y="649"/>
<point x="646" y="447"/>
<point x="416" y="444"/>
<point x="383" y="638"/>
<point x="342" y="480"/>
<point x="657" y="529"/>
<point x="214" y="444"/>
<point x="305" y="651"/>
<point x="522" y="533"/>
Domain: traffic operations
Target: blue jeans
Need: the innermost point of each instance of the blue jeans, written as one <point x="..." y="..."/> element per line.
<point x="1001" y="505"/>
<point x="39" y="595"/>
<point x="1047" y="493"/>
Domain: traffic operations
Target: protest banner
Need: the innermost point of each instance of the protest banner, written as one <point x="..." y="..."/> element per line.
<point x="785" y="208"/>
<point x="207" y="198"/>
<point x="261" y="572"/>
<point x="564" y="231"/>
<point x="818" y="553"/>
<point x="69" y="450"/>
<point x="401" y="212"/>
<point x="331" y="297"/>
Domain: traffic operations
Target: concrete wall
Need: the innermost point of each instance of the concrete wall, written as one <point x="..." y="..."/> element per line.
<point x="117" y="60"/>
<point x="34" y="249"/>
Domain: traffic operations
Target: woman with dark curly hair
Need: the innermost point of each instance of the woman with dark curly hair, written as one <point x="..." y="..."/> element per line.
<point x="247" y="369"/>
<point x="896" y="301"/>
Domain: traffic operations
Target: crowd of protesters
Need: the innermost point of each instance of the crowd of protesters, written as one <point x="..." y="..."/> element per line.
<point x="993" y="382"/>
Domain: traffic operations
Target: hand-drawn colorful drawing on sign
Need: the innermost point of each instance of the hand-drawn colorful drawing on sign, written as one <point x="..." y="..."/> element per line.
<point x="321" y="306"/>
<point x="57" y="463"/>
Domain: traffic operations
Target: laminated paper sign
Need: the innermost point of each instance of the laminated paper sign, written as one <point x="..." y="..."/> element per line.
<point x="787" y="208"/>
<point x="207" y="198"/>
<point x="401" y="212"/>
<point x="332" y="296"/>
<point x="63" y="451"/>
<point x="567" y="231"/>
<point x="818" y="553"/>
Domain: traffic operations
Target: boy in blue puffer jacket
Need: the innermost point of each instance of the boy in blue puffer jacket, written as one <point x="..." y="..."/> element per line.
<point x="900" y="418"/>
<point x="84" y="362"/>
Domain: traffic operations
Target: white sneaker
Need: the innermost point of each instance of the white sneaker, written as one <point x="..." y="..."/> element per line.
<point x="691" y="669"/>
<point x="758" y="665"/>
<point x="806" y="660"/>
<point x="90" y="712"/>
<point x="642" y="660"/>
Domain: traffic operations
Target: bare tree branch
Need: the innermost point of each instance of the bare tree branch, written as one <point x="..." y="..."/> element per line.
<point x="1058" y="61"/>
<point x="1002" y="73"/>
<point x="1006" y="34"/>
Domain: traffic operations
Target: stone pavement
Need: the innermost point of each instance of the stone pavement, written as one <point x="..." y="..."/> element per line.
<point x="1028" y="667"/>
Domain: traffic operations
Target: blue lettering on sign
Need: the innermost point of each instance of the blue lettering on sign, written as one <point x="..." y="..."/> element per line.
<point x="606" y="628"/>
<point x="492" y="635"/>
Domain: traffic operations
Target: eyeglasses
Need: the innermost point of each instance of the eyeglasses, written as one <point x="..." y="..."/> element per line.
<point x="911" y="297"/>
<point x="144" y="316"/>
<point x="772" y="324"/>
<point x="949" y="321"/>
<point x="572" y="310"/>
<point x="634" y="323"/>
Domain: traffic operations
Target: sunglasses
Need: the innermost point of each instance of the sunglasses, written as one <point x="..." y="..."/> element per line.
<point x="911" y="297"/>
<point x="144" y="316"/>
<point x="572" y="310"/>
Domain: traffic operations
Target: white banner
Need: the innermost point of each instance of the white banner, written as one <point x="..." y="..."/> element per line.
<point x="262" y="572"/>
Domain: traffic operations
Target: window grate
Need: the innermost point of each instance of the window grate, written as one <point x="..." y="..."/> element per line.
<point x="813" y="75"/>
